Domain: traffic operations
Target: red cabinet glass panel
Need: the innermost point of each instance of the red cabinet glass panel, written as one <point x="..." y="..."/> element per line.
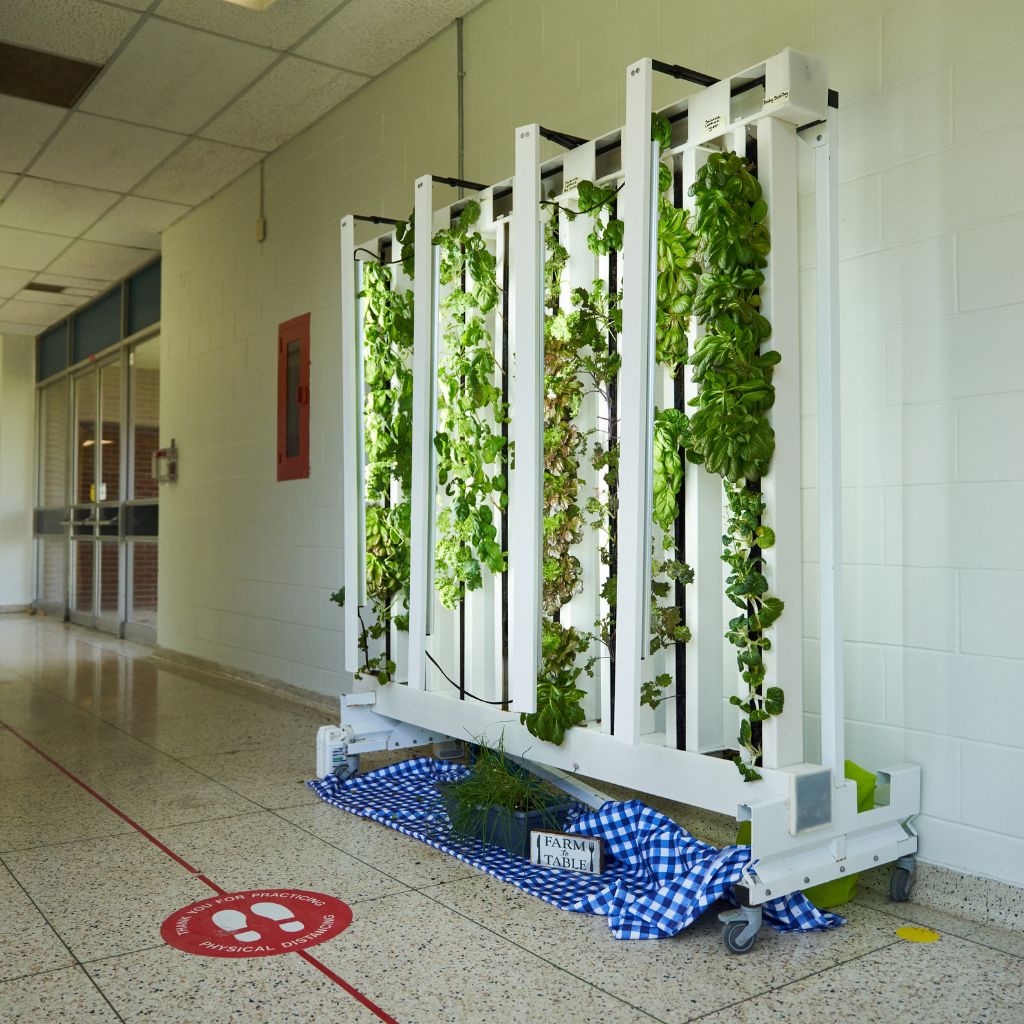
<point x="293" y="399"/>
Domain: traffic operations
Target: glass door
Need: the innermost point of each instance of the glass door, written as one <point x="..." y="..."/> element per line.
<point x="81" y="603"/>
<point x="109" y="608"/>
<point x="97" y="511"/>
<point x="141" y="511"/>
<point x="52" y="515"/>
<point x="96" y="552"/>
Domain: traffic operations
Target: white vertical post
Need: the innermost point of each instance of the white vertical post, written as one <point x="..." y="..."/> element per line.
<point x="501" y="333"/>
<point x="526" y="486"/>
<point x="353" y="489"/>
<point x="424" y="412"/>
<point x="830" y="484"/>
<point x="639" y="204"/>
<point x="783" y="742"/>
<point x="702" y="520"/>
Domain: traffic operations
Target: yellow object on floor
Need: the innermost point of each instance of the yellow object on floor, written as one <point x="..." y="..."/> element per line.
<point x="911" y="933"/>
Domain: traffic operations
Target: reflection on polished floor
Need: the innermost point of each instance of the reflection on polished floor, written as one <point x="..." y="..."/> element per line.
<point x="213" y="771"/>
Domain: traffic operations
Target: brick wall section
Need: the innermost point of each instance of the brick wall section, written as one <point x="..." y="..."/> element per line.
<point x="932" y="250"/>
<point x="144" y="582"/>
<point x="146" y="424"/>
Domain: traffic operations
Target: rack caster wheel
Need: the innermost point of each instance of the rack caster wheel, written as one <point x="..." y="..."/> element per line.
<point x="901" y="884"/>
<point x="739" y="937"/>
<point x="741" y="928"/>
<point x="348" y="768"/>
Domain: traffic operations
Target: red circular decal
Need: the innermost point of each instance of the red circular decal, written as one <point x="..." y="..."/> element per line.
<point x="263" y="922"/>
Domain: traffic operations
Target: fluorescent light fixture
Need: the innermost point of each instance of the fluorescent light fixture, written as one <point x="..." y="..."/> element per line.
<point x="253" y="5"/>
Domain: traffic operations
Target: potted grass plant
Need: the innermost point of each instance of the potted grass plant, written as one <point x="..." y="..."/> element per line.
<point x="500" y="802"/>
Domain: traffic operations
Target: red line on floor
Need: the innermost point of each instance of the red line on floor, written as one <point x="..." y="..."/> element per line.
<point x="106" y="803"/>
<point x="355" y="993"/>
<point x="322" y="968"/>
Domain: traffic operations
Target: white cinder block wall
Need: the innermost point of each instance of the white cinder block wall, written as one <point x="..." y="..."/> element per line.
<point x="932" y="139"/>
<point x="17" y="397"/>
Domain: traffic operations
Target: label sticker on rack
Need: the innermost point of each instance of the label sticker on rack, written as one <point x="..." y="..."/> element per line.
<point x="263" y="922"/>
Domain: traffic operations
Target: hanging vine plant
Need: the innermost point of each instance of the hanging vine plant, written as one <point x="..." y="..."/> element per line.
<point x="471" y="411"/>
<point x="730" y="432"/>
<point x="387" y="426"/>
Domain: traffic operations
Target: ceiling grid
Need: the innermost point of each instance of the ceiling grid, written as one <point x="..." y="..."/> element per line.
<point x="190" y="95"/>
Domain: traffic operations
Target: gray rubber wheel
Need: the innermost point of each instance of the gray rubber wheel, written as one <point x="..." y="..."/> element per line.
<point x="348" y="768"/>
<point x="732" y="937"/>
<point x="901" y="884"/>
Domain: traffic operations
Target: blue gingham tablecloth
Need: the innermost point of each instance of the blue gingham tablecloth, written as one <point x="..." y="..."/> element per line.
<point x="658" y="879"/>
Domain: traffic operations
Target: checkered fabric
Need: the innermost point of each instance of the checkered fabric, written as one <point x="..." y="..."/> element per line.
<point x="657" y="881"/>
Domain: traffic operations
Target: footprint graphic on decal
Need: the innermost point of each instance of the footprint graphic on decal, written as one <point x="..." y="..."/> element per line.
<point x="280" y="915"/>
<point x="233" y="921"/>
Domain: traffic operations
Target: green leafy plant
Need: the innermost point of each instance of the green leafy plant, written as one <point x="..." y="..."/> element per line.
<point x="387" y="427"/>
<point x="496" y="780"/>
<point x="575" y="355"/>
<point x="678" y="271"/>
<point x="729" y="432"/>
<point x="471" y="411"/>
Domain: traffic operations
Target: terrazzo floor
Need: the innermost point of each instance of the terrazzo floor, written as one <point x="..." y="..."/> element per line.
<point x="213" y="770"/>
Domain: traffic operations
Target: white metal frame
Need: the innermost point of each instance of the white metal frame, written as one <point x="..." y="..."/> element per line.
<point x="805" y="825"/>
<point x="433" y="630"/>
<point x="353" y="256"/>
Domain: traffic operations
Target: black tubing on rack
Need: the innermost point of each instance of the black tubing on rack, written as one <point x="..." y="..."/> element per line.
<point x="563" y="139"/>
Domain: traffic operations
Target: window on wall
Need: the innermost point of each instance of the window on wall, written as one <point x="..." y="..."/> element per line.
<point x="293" y="399"/>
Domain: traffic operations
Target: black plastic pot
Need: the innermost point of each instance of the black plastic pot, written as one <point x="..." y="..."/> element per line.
<point x="510" y="829"/>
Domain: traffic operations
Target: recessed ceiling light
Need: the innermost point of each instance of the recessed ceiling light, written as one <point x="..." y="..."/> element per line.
<point x="253" y="5"/>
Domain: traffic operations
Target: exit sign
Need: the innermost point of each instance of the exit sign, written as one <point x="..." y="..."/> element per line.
<point x="575" y="853"/>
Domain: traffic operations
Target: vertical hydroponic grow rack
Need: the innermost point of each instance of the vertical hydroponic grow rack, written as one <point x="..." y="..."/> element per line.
<point x="614" y="544"/>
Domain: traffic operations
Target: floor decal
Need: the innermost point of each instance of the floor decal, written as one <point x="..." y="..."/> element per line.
<point x="257" y="923"/>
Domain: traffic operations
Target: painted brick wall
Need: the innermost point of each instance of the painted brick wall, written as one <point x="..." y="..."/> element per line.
<point x="247" y="563"/>
<point x="932" y="136"/>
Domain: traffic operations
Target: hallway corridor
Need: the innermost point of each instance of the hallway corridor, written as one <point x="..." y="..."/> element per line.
<point x="177" y="783"/>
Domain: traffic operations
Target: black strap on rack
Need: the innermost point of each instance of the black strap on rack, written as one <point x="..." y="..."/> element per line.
<point x="685" y="74"/>
<point x="563" y="139"/>
<point x="374" y="219"/>
<point x="474" y="186"/>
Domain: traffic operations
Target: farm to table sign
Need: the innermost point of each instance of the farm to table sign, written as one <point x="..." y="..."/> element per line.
<point x="261" y="922"/>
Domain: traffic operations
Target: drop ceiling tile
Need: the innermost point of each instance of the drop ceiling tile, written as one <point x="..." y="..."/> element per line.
<point x="12" y="281"/>
<point x="371" y="35"/>
<point x="196" y="172"/>
<point x="75" y="28"/>
<point x="84" y="258"/>
<point x="287" y="99"/>
<point x="26" y="126"/>
<point x="101" y="153"/>
<point x="136" y="221"/>
<point x="41" y="314"/>
<point x="6" y="181"/>
<point x="29" y="250"/>
<point x="174" y="77"/>
<point x="53" y="207"/>
<point x="51" y="298"/>
<point x="280" y="26"/>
